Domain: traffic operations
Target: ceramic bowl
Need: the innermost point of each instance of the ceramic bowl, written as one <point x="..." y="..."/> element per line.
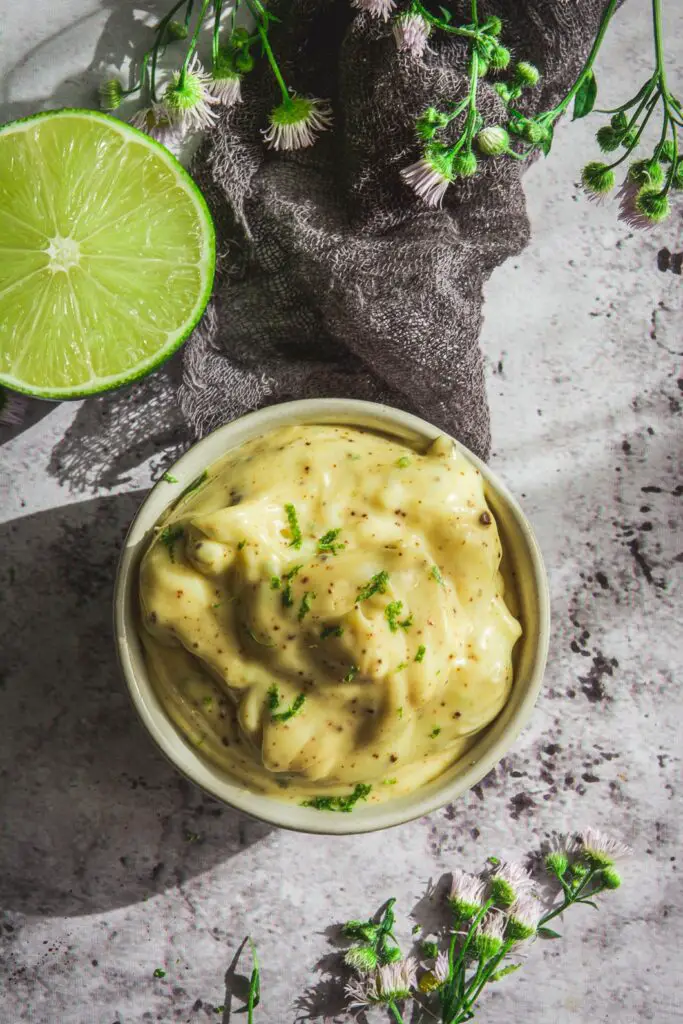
<point x="524" y="561"/>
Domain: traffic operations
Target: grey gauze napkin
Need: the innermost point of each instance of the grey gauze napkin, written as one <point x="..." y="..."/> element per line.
<point x="333" y="278"/>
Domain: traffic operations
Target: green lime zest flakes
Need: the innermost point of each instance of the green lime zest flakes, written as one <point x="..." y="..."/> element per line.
<point x="294" y="528"/>
<point x="403" y="462"/>
<point x="287" y="598"/>
<point x="217" y="604"/>
<point x="261" y="643"/>
<point x="435" y="573"/>
<point x="169" y="535"/>
<point x="169" y="478"/>
<point x="345" y="804"/>
<point x="399" y="668"/>
<point x="159" y="972"/>
<point x="275" y="582"/>
<point x="376" y="585"/>
<point x="305" y="606"/>
<point x="241" y="545"/>
<point x="421" y="651"/>
<point x="435" y="732"/>
<point x="399" y="711"/>
<point x="353" y="456"/>
<point x="391" y="614"/>
<point x="293" y="709"/>
<point x="326" y="544"/>
<point x="196" y="483"/>
<point x="207" y="702"/>
<point x="328" y="631"/>
<point x="273" y="698"/>
<point x="351" y="674"/>
<point x="389" y="782"/>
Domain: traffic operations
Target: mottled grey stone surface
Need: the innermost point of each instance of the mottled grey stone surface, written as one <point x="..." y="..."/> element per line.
<point x="111" y="865"/>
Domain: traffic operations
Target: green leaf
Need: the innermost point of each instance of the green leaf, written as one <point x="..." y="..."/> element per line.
<point x="589" y="903"/>
<point x="584" y="101"/>
<point x="546" y="144"/>
<point x="548" y="933"/>
<point x="446" y="14"/>
<point x="506" y="970"/>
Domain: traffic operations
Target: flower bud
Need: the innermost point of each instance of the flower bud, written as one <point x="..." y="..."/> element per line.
<point x="526" y="74"/>
<point x="557" y="863"/>
<point x="646" y="173"/>
<point x="629" y="139"/>
<point x="533" y="132"/>
<point x="244" y="61"/>
<point x="503" y="91"/>
<point x="493" y="26"/>
<point x="611" y="878"/>
<point x="596" y="178"/>
<point x="493" y="141"/>
<point x="464" y="165"/>
<point x="653" y="205"/>
<point x="176" y="30"/>
<point x="429" y="122"/>
<point x="608" y="138"/>
<point x="361" y="958"/>
<point x="361" y="930"/>
<point x="500" y="58"/>
<point x="667" y="152"/>
<point x="430" y="950"/>
<point x="619" y="121"/>
<point x="111" y="94"/>
<point x="391" y="955"/>
<point x="678" y="176"/>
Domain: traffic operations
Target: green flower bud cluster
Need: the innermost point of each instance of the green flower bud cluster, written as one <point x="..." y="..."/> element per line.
<point x="111" y="94"/>
<point x="235" y="57"/>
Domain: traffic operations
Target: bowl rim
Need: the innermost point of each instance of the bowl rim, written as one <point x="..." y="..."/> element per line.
<point x="280" y="813"/>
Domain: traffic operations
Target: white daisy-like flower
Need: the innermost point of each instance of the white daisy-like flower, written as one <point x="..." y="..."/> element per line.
<point x="156" y="122"/>
<point x="295" y="123"/>
<point x="600" y="850"/>
<point x="509" y="882"/>
<point x="387" y="984"/>
<point x="429" y="178"/>
<point x="488" y="939"/>
<point x="226" y="87"/>
<point x="411" y="32"/>
<point x="523" y="918"/>
<point x="376" y="8"/>
<point x="441" y="968"/>
<point x="189" y="103"/>
<point x="467" y="893"/>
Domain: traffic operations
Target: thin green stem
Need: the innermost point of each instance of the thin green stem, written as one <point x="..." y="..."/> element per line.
<point x="188" y="13"/>
<point x="625" y="156"/>
<point x="453" y="30"/>
<point x="193" y="42"/>
<point x="160" y="30"/>
<point x="215" y="35"/>
<point x="257" y="12"/>
<point x="590" y="60"/>
<point x="395" y="1012"/>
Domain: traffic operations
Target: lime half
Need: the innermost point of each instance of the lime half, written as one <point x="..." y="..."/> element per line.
<point x="107" y="254"/>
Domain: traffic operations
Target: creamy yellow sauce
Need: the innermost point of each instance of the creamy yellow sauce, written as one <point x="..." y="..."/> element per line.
<point x="325" y="608"/>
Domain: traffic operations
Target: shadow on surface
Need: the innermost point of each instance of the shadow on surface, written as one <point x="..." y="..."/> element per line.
<point x="92" y="815"/>
<point x="113" y="434"/>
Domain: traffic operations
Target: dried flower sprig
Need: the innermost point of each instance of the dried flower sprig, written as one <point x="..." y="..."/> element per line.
<point x="492" y="916"/>
<point x="188" y="103"/>
<point x="645" y="192"/>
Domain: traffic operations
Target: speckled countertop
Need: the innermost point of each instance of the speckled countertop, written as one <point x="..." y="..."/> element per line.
<point x="111" y="865"/>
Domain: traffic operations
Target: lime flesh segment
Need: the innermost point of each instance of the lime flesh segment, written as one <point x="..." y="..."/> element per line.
<point x="107" y="254"/>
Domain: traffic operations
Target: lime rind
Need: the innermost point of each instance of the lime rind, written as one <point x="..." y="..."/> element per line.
<point x="205" y="266"/>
